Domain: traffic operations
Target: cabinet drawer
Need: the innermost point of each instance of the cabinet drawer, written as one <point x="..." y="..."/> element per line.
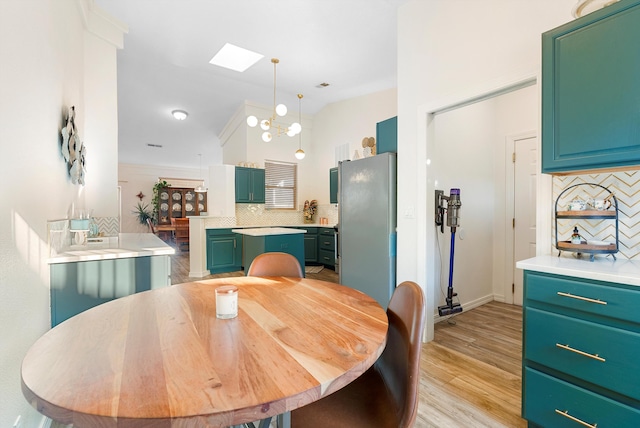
<point x="326" y="257"/>
<point x="583" y="295"/>
<point x="596" y="353"/>
<point x="326" y="242"/>
<point x="325" y="231"/>
<point x="215" y="232"/>
<point x="545" y="396"/>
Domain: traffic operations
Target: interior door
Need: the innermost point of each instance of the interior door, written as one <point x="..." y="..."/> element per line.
<point x="525" y="177"/>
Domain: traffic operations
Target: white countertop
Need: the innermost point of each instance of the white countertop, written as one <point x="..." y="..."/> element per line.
<point x="124" y="246"/>
<point x="621" y="271"/>
<point x="257" y="226"/>
<point x="267" y="231"/>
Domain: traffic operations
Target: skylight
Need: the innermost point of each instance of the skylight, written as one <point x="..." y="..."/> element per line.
<point x="235" y="58"/>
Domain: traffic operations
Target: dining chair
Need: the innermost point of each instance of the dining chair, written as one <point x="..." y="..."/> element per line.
<point x="152" y="228"/>
<point x="386" y="395"/>
<point x="275" y="264"/>
<point x="181" y="234"/>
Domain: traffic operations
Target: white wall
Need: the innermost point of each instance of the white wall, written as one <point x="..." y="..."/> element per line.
<point x="134" y="179"/>
<point x="345" y="122"/>
<point x="52" y="60"/>
<point x="449" y="51"/>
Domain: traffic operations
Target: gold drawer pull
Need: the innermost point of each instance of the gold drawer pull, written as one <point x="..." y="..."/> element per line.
<point x="569" y="348"/>
<point x="586" y="299"/>
<point x="573" y="418"/>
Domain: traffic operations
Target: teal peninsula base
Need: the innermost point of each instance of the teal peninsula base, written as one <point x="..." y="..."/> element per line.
<point x="270" y="239"/>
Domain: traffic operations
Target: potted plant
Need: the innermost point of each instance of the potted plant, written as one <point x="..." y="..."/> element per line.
<point x="155" y="201"/>
<point x="143" y="213"/>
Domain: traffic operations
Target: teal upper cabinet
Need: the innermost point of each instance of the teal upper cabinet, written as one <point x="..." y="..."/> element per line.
<point x="250" y="185"/>
<point x="333" y="185"/>
<point x="591" y="91"/>
<point x="387" y="136"/>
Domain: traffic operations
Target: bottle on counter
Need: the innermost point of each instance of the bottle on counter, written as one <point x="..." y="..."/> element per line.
<point x="576" y="238"/>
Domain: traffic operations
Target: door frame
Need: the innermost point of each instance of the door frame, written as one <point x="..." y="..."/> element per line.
<point x="509" y="244"/>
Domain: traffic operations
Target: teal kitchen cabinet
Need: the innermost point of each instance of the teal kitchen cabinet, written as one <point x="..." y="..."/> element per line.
<point x="78" y="286"/>
<point x="387" y="136"/>
<point x="266" y="240"/>
<point x="333" y="185"/>
<point x="250" y="185"/>
<point x="580" y="339"/>
<point x="310" y="240"/>
<point x="590" y="91"/>
<point x="224" y="251"/>
<point x="326" y="247"/>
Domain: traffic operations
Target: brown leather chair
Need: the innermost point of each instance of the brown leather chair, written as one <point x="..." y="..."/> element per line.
<point x="386" y="395"/>
<point x="275" y="264"/>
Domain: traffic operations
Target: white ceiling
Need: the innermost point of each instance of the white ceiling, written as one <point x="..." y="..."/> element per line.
<point x="350" y="44"/>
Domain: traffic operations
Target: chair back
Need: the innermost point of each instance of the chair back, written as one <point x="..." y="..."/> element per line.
<point x="399" y="364"/>
<point x="151" y="226"/>
<point x="275" y="264"/>
<point x="181" y="233"/>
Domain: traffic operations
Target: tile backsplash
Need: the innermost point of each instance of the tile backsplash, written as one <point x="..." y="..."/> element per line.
<point x="625" y="186"/>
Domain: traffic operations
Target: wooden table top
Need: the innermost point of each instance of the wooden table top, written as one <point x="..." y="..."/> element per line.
<point x="163" y="356"/>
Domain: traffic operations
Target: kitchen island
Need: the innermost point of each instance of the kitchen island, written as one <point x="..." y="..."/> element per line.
<point x="82" y="277"/>
<point x="581" y="332"/>
<point x="268" y="239"/>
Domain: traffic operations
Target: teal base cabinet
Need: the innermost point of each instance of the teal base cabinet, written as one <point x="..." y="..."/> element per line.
<point x="326" y="247"/>
<point x="333" y="185"/>
<point x="250" y="185"/>
<point x="78" y="286"/>
<point x="581" y="339"/>
<point x="224" y="251"/>
<point x="253" y="246"/>
<point x="310" y="240"/>
<point x="590" y="91"/>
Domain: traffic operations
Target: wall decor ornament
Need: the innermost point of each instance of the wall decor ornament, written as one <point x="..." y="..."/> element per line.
<point x="73" y="150"/>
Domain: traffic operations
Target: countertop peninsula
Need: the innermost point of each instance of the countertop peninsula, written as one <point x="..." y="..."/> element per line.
<point x="123" y="246"/>
<point x="621" y="271"/>
<point x="268" y="231"/>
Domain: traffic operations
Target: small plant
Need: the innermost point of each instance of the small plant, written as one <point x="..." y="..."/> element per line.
<point x="143" y="213"/>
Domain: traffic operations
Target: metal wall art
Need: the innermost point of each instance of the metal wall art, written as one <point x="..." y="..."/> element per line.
<point x="73" y="150"/>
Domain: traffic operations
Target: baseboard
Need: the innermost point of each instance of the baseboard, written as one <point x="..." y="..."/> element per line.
<point x="199" y="274"/>
<point x="467" y="306"/>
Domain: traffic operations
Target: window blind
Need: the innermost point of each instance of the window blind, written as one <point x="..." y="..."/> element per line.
<point x="280" y="185"/>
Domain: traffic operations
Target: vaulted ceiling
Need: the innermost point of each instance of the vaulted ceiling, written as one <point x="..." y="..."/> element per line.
<point x="350" y="44"/>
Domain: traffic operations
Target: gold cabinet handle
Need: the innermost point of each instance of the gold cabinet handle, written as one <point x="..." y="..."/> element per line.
<point x="577" y="351"/>
<point x="573" y="418"/>
<point x="586" y="299"/>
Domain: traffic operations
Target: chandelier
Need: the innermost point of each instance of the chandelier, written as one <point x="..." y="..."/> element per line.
<point x="270" y="126"/>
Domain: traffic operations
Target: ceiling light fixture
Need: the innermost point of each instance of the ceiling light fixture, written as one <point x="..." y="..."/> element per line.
<point x="300" y="152"/>
<point x="180" y="114"/>
<point x="270" y="125"/>
<point x="200" y="188"/>
<point x="584" y="7"/>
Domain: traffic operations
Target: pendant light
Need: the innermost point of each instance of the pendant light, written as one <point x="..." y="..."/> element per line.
<point x="300" y="152"/>
<point x="270" y="126"/>
<point x="200" y="188"/>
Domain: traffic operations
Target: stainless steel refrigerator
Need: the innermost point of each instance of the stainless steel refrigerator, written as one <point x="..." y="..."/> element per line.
<point x="367" y="225"/>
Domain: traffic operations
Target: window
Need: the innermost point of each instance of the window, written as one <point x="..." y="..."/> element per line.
<point x="280" y="185"/>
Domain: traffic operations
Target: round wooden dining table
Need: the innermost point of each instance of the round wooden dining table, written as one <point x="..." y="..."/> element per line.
<point x="161" y="358"/>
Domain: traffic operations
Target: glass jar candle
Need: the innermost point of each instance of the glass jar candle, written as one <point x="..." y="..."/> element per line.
<point x="227" y="302"/>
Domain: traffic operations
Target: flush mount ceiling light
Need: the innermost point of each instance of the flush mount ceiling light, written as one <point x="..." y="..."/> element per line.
<point x="235" y="58"/>
<point x="270" y="125"/>
<point x="180" y="114"/>
<point x="584" y="7"/>
<point x="300" y="152"/>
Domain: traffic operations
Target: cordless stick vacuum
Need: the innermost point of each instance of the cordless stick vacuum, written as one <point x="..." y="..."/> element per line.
<point x="453" y="205"/>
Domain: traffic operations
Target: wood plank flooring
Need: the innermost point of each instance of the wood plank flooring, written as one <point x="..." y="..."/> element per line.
<point x="470" y="374"/>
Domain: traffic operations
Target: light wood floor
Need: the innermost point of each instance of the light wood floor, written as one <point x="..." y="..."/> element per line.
<point x="470" y="374"/>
